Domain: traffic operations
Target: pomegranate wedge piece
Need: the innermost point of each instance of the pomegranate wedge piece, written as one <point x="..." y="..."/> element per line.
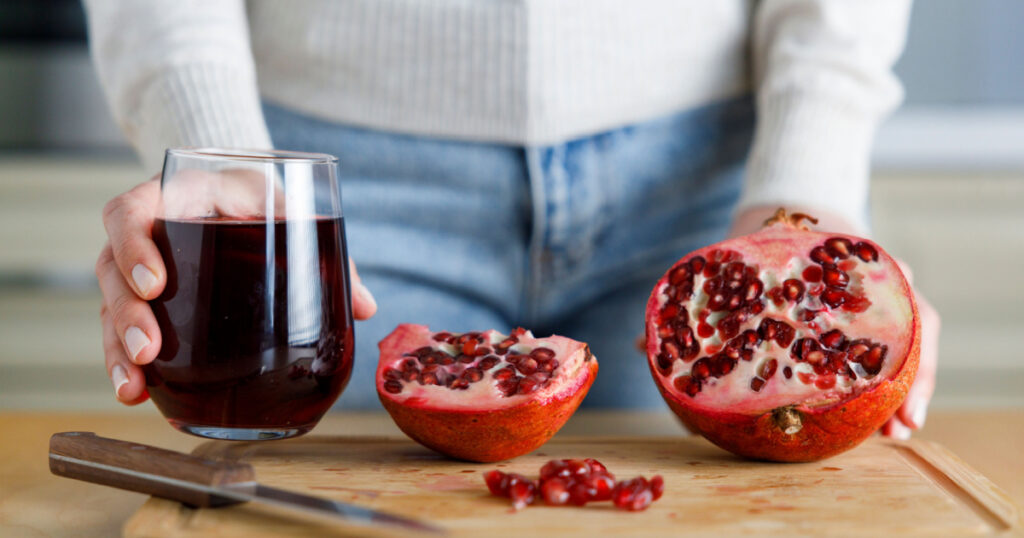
<point x="481" y="396"/>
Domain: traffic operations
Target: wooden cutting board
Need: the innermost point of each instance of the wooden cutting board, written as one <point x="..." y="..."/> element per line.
<point x="882" y="488"/>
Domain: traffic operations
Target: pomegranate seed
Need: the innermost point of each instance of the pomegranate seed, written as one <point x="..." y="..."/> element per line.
<point x="599" y="485"/>
<point x="814" y="357"/>
<point x="793" y="290"/>
<point x="442" y="337"/>
<point x="836" y="278"/>
<point x="509" y="386"/>
<point x="554" y="491"/>
<point x="657" y="484"/>
<point x="522" y="494"/>
<point x="472" y="375"/>
<point x="496" y="483"/>
<point x="734" y="271"/>
<point x="679" y="275"/>
<point x="866" y="252"/>
<point x="704" y="330"/>
<point x="527" y="385"/>
<point x="685" y="335"/>
<point x="687" y="384"/>
<point x="833" y="339"/>
<point x="505" y="373"/>
<point x="715" y="255"/>
<point x="527" y="366"/>
<point x="839" y="247"/>
<point x="819" y="255"/>
<point x="804" y="378"/>
<point x="392" y="386"/>
<point x="856" y="304"/>
<point x="488" y="362"/>
<point x="542" y="354"/>
<point x="670" y="311"/>
<point x="872" y="360"/>
<point x="596" y="466"/>
<point x="785" y="334"/>
<point x="633" y="495"/>
<point x="578" y="493"/>
<point x="812" y="273"/>
<point x="458" y="384"/>
<point x="756" y="383"/>
<point x="754" y="290"/>
<point x="721" y="365"/>
<point x="410" y="376"/>
<point x="697" y="263"/>
<point x="578" y="468"/>
<point x="728" y="327"/>
<point x="670" y="349"/>
<point x="787" y="372"/>
<point x="768" y="368"/>
<point x="409" y="365"/>
<point x="825" y="382"/>
<point x="701" y="369"/>
<point x="469" y="347"/>
<point x="712" y="268"/>
<point x="775" y="294"/>
<point x="392" y="374"/>
<point x="858" y="348"/>
<point x="555" y="468"/>
<point x="833" y="297"/>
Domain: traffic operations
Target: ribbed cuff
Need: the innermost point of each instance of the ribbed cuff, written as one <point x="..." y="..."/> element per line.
<point x="811" y="151"/>
<point x="198" y="105"/>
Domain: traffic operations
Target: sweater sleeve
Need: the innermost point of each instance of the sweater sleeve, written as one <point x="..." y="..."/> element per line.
<point x="177" y="73"/>
<point x="824" y="82"/>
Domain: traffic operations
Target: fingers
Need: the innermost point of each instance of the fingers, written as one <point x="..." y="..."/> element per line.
<point x="915" y="408"/>
<point x="363" y="304"/>
<point x="130" y="318"/>
<point x="896" y="430"/>
<point x="128" y="220"/>
<point x="127" y="378"/>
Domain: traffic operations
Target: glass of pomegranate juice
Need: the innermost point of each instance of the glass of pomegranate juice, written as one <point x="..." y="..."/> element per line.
<point x="256" y="317"/>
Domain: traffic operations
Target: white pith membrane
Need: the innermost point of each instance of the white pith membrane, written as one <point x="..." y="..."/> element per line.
<point x="488" y="393"/>
<point x="886" y="322"/>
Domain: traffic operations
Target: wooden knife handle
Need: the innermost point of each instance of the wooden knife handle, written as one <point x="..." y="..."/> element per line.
<point x="142" y="468"/>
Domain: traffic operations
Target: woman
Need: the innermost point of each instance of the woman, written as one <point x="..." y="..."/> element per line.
<point x="519" y="162"/>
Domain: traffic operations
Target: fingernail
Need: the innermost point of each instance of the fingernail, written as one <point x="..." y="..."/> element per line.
<point x="144" y="278"/>
<point x="920" y="414"/>
<point x="135" y="339"/>
<point x="900" y="432"/>
<point x="119" y="376"/>
<point x="365" y="294"/>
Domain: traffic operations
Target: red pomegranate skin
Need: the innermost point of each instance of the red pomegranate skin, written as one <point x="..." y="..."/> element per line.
<point x="486" y="434"/>
<point x="829" y="427"/>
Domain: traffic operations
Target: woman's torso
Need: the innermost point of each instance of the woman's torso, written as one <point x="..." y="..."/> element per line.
<point x="516" y="71"/>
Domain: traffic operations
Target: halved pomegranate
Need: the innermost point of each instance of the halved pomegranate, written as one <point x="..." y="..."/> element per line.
<point x="481" y="396"/>
<point x="786" y="344"/>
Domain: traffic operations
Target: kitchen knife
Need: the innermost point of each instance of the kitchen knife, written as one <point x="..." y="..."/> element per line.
<point x="199" y="482"/>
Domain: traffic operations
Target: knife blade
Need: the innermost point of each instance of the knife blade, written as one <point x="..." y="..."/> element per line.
<point x="200" y="482"/>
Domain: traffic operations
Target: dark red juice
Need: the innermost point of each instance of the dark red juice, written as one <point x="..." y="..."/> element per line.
<point x="256" y="323"/>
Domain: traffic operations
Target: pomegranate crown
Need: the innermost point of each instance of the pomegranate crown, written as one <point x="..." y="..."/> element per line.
<point x="794" y="220"/>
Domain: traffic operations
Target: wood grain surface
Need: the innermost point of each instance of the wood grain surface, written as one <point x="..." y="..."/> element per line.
<point x="882" y="488"/>
<point x="33" y="502"/>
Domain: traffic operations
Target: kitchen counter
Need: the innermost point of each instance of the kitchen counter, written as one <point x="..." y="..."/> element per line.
<point x="35" y="503"/>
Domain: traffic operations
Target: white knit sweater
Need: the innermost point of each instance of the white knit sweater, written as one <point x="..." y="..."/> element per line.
<point x="528" y="72"/>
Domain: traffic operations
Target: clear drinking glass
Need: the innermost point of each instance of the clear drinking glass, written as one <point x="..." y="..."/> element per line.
<point x="256" y="318"/>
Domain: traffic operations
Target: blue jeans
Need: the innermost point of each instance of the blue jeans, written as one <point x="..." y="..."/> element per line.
<point x="566" y="239"/>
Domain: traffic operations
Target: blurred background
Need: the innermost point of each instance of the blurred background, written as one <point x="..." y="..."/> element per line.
<point x="947" y="191"/>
